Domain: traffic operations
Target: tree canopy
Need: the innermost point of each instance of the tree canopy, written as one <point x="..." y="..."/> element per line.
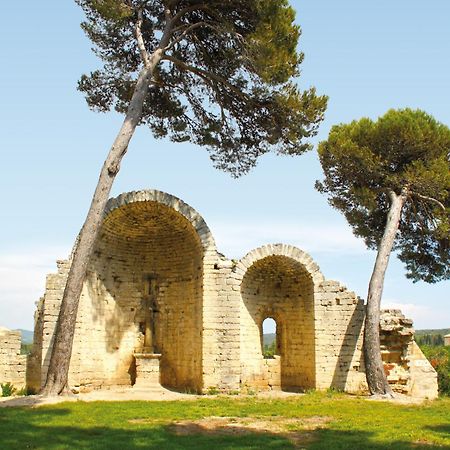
<point x="226" y="80"/>
<point x="404" y="150"/>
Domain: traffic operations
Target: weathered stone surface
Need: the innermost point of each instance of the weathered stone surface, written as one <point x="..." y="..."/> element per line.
<point x="407" y="369"/>
<point x="209" y="310"/>
<point x="12" y="363"/>
<point x="147" y="369"/>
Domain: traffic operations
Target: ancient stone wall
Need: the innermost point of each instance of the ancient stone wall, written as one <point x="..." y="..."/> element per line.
<point x="12" y="363"/>
<point x="47" y="316"/>
<point x="207" y="312"/>
<point x="339" y="320"/>
<point x="221" y="325"/>
<point x="160" y="246"/>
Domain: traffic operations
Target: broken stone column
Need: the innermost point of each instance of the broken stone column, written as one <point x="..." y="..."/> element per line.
<point x="407" y="369"/>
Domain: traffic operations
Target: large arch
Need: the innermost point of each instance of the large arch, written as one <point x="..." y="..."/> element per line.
<point x="279" y="281"/>
<point x="146" y="236"/>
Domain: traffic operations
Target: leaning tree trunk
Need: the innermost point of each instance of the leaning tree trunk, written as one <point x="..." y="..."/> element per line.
<point x="57" y="375"/>
<point x="376" y="377"/>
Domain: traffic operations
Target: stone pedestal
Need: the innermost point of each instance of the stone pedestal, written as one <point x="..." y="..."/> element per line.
<point x="147" y="370"/>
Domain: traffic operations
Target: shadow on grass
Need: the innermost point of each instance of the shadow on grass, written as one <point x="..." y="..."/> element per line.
<point x="33" y="429"/>
<point x="441" y="429"/>
<point x="26" y="400"/>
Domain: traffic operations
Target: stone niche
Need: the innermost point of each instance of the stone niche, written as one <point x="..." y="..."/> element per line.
<point x="161" y="305"/>
<point x="278" y="287"/>
<point x="141" y="242"/>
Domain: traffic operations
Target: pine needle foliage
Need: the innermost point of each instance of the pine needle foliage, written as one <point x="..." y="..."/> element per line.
<point x="403" y="150"/>
<point x="227" y="80"/>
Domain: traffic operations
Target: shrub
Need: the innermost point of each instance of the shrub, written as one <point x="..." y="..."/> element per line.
<point x="7" y="389"/>
<point x="269" y="350"/>
<point x="25" y="349"/>
<point x="439" y="358"/>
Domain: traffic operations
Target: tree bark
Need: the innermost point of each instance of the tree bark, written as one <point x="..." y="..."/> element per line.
<point x="57" y="375"/>
<point x="375" y="375"/>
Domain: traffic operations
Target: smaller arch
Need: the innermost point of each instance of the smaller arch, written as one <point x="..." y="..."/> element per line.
<point x="279" y="281"/>
<point x="289" y="251"/>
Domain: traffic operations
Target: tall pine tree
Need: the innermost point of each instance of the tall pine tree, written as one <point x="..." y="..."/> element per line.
<point x="391" y="180"/>
<point x="220" y="74"/>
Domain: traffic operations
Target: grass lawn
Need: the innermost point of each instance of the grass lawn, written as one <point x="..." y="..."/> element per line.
<point x="313" y="421"/>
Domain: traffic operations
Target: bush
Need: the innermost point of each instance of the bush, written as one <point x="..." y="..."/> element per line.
<point x="439" y="358"/>
<point x="269" y="350"/>
<point x="25" y="349"/>
<point x="7" y="389"/>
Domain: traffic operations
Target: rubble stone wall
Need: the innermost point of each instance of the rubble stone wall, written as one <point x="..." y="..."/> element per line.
<point x="48" y="315"/>
<point x="407" y="369"/>
<point x="339" y="319"/>
<point x="12" y="363"/>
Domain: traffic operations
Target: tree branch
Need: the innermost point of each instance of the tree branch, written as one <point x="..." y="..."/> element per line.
<point x="188" y="30"/>
<point x="172" y="3"/>
<point x="430" y="199"/>
<point x="184" y="11"/>
<point x="204" y="73"/>
<point x="184" y="33"/>
<point x="140" y="40"/>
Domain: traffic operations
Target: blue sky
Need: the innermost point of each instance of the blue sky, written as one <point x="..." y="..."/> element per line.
<point x="366" y="56"/>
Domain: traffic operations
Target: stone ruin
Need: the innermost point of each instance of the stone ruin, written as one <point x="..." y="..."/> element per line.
<point x="13" y="365"/>
<point x="161" y="306"/>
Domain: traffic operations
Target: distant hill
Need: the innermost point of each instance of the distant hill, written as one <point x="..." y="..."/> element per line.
<point x="431" y="337"/>
<point x="442" y="332"/>
<point x="268" y="338"/>
<point x="27" y="336"/>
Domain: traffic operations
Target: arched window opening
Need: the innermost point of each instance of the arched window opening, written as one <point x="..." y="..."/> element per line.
<point x="269" y="338"/>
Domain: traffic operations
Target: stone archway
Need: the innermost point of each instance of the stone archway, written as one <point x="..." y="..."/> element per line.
<point x="278" y="281"/>
<point x="148" y="241"/>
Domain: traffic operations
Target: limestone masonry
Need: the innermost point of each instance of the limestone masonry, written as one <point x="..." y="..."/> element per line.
<point x="160" y="304"/>
<point x="12" y="363"/>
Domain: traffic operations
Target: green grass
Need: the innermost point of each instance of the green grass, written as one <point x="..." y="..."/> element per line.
<point x="353" y="424"/>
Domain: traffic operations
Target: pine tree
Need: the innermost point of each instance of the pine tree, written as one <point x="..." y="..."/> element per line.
<point x="220" y="74"/>
<point x="391" y="180"/>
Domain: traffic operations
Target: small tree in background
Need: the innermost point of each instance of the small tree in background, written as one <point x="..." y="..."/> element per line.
<point x="217" y="73"/>
<point x="439" y="357"/>
<point x="391" y="180"/>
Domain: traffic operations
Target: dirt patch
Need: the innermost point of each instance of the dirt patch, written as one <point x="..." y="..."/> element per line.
<point x="297" y="431"/>
<point x="421" y="443"/>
